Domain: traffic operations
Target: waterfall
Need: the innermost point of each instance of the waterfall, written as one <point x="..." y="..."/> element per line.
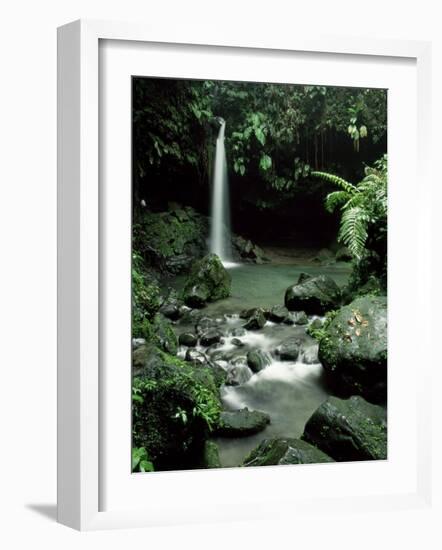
<point x="220" y="239"/>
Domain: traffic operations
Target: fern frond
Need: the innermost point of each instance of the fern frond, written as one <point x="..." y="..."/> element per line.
<point x="336" y="198"/>
<point x="336" y="180"/>
<point x="353" y="230"/>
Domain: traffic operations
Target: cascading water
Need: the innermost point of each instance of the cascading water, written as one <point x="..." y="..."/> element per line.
<point x="220" y="235"/>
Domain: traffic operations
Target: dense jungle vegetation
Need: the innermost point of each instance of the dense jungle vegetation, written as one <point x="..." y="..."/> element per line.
<point x="307" y="172"/>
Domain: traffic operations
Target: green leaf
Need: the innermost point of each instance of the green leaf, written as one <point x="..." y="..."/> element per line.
<point x="265" y="162"/>
<point x="260" y="136"/>
<point x="242" y="169"/>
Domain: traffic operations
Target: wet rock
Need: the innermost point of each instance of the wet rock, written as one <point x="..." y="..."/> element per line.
<point x="258" y="360"/>
<point x="241" y="423"/>
<point x="211" y="455"/>
<point x="162" y="334"/>
<point x="348" y="429"/>
<point x="309" y="354"/>
<point x="211" y="336"/>
<point x="171" y="311"/>
<point x="207" y="282"/>
<point x="289" y="349"/>
<point x="187" y="339"/>
<point x="237" y="342"/>
<point x="343" y="255"/>
<point x="272" y="452"/>
<point x="145" y="357"/>
<point x="325" y="257"/>
<point x="238" y="374"/>
<point x="315" y="295"/>
<point x="303" y="277"/>
<point x="353" y="349"/>
<point x="300" y="318"/>
<point x="196" y="357"/>
<point x="205" y="323"/>
<point x="278" y="314"/>
<point x="248" y="251"/>
<point x="239" y="331"/>
<point x="197" y="295"/>
<point x="256" y="320"/>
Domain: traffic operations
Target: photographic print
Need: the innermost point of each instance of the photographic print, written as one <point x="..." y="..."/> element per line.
<point x="259" y="274"/>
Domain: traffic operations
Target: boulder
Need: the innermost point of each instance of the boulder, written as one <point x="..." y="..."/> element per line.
<point x="348" y="429"/>
<point x="258" y="360"/>
<point x="207" y="282"/>
<point x="196" y="357"/>
<point x="343" y="254"/>
<point x="278" y="314"/>
<point x="289" y="349"/>
<point x="187" y="339"/>
<point x="315" y="295"/>
<point x="146" y="357"/>
<point x="210" y="337"/>
<point x="175" y="407"/>
<point x="211" y="455"/>
<point x="353" y="349"/>
<point x="256" y="320"/>
<point x="239" y="373"/>
<point x="237" y="342"/>
<point x="171" y="306"/>
<point x="248" y="251"/>
<point x="241" y="423"/>
<point x="272" y="452"/>
<point x="172" y="240"/>
<point x="300" y="317"/>
<point x="164" y="336"/>
<point x="325" y="257"/>
<point x="205" y="323"/>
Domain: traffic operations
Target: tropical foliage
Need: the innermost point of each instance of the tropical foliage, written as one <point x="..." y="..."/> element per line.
<point x="363" y="206"/>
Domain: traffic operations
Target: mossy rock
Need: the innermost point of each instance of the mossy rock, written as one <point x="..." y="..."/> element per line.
<point x="282" y="451"/>
<point x="256" y="319"/>
<point x="348" y="429"/>
<point x="314" y="295"/>
<point x="211" y="455"/>
<point x="172" y="240"/>
<point x="175" y="407"/>
<point x="258" y="360"/>
<point x="353" y="349"/>
<point x="208" y="281"/>
<point x="146" y="296"/>
<point x="241" y="423"/>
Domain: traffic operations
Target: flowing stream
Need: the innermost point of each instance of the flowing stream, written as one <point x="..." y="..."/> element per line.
<point x="220" y="242"/>
<point x="289" y="391"/>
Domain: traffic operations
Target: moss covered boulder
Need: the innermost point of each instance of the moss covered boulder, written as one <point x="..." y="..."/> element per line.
<point x="314" y="295"/>
<point x="175" y="407"/>
<point x="272" y="452"/>
<point x="208" y="281"/>
<point x="171" y="240"/>
<point x="211" y="455"/>
<point x="353" y="348"/>
<point x="348" y="429"/>
<point x="241" y="423"/>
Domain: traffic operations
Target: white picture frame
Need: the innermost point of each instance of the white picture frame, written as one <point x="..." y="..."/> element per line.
<point x="80" y="448"/>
